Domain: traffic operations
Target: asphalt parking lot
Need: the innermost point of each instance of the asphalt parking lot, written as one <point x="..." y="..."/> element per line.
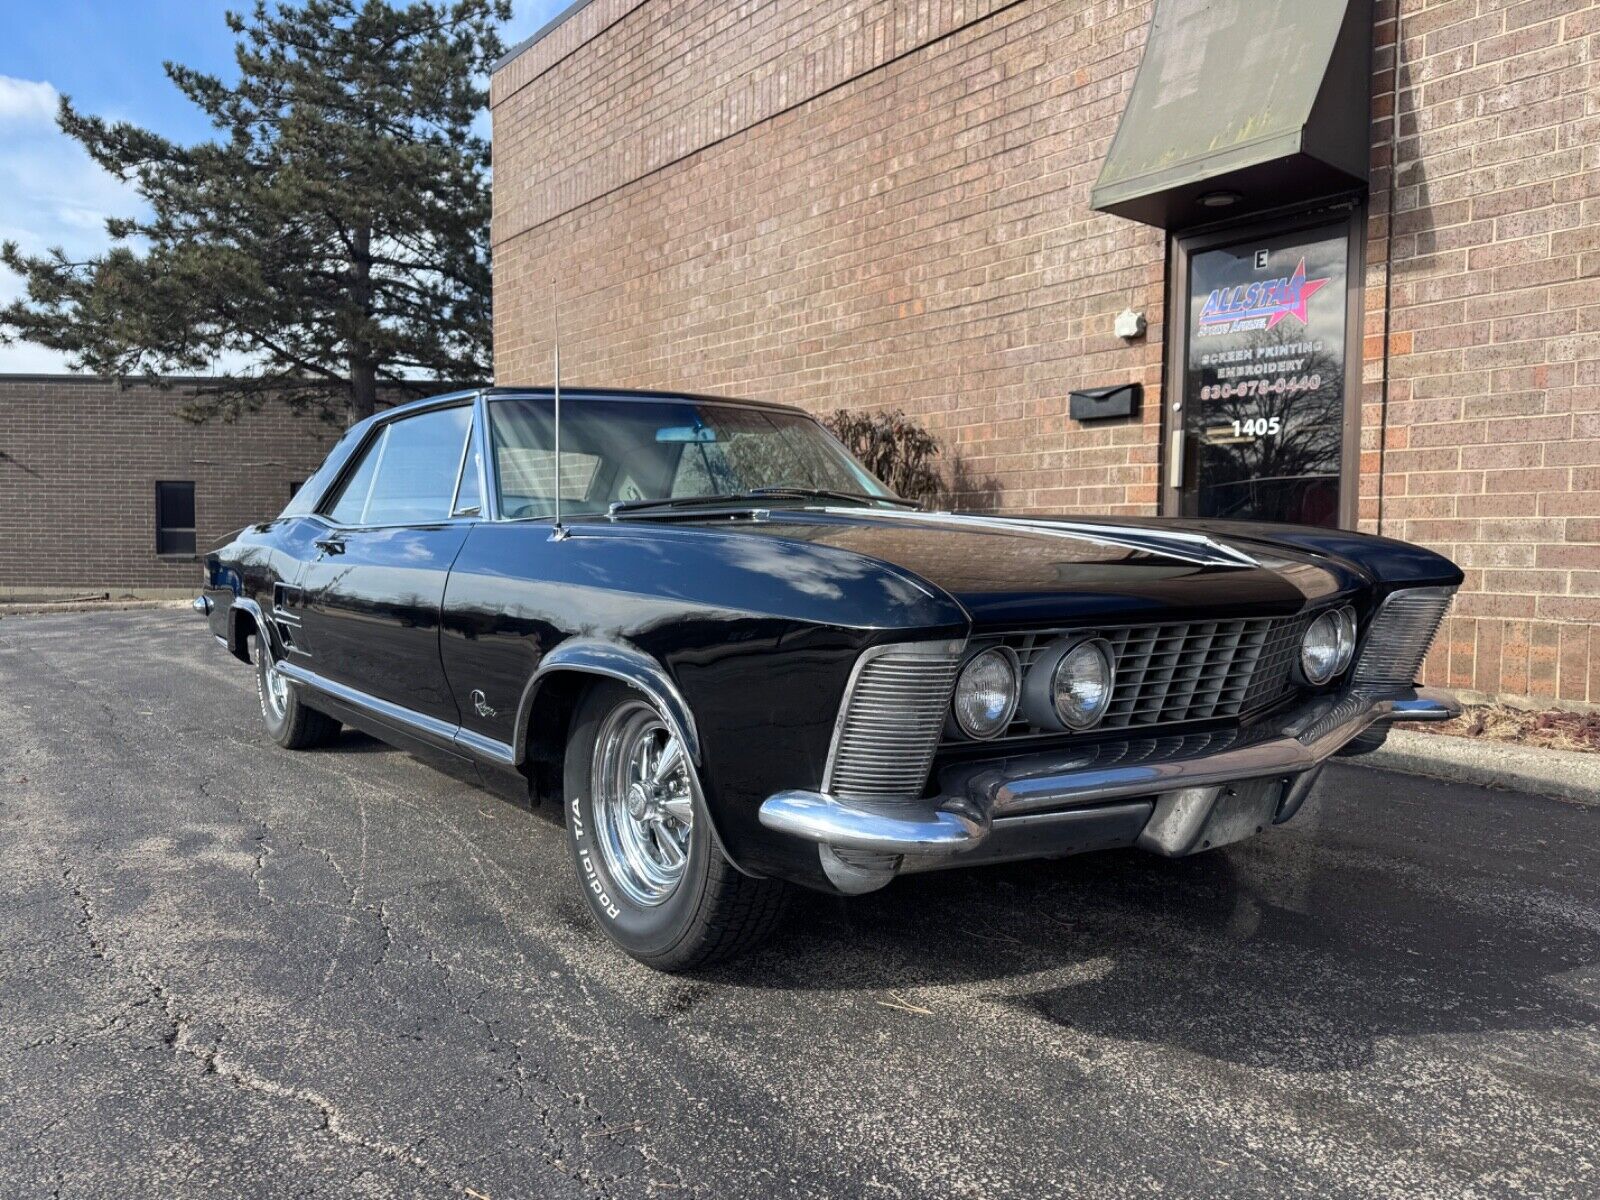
<point x="229" y="970"/>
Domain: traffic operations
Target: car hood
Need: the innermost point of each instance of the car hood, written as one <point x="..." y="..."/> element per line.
<point x="1016" y="570"/>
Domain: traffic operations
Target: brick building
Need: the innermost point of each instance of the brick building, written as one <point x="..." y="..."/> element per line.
<point x="103" y="487"/>
<point x="913" y="203"/>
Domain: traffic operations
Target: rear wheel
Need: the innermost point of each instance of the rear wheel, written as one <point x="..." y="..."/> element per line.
<point x="646" y="858"/>
<point x="289" y="722"/>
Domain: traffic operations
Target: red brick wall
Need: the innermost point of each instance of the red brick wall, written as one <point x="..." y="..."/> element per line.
<point x="885" y="203"/>
<point x="79" y="461"/>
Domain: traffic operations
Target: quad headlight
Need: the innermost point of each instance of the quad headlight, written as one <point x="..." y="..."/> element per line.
<point x="986" y="692"/>
<point x="1069" y="684"/>
<point x="1328" y="646"/>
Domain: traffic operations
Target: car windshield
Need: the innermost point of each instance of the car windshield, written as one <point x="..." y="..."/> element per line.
<point x="635" y="452"/>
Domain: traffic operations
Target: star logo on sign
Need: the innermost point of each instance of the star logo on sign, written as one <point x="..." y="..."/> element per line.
<point x="1296" y="292"/>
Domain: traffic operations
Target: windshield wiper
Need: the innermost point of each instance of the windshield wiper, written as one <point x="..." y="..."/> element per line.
<point x="622" y="507"/>
<point x="808" y="493"/>
<point x="619" y="507"/>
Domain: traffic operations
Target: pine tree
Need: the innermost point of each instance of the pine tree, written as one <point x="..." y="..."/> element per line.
<point x="333" y="233"/>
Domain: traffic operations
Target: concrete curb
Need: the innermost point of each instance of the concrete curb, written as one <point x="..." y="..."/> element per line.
<point x="43" y="609"/>
<point x="1567" y="774"/>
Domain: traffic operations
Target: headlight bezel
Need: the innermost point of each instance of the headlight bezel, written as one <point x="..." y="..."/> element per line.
<point x="1009" y="656"/>
<point x="1101" y="649"/>
<point x="1340" y="629"/>
<point x="1350" y="632"/>
<point x="1040" y="687"/>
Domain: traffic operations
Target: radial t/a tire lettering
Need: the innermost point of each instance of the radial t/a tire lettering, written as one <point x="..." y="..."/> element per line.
<point x="647" y="861"/>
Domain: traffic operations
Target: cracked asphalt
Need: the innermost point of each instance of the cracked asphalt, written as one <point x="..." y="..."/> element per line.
<point x="231" y="970"/>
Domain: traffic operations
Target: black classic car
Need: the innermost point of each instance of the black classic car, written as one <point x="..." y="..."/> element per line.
<point x="738" y="662"/>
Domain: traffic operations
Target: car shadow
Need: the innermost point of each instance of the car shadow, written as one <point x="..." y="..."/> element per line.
<point x="354" y="741"/>
<point x="1246" y="956"/>
<point x="1300" y="950"/>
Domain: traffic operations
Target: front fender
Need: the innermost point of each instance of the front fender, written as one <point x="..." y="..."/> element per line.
<point x="637" y="669"/>
<point x="744" y="645"/>
<point x="1388" y="563"/>
<point x="615" y="660"/>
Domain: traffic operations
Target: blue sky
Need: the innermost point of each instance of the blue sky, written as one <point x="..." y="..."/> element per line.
<point x="107" y="56"/>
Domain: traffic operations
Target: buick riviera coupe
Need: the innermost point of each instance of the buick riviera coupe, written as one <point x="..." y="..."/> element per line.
<point x="738" y="663"/>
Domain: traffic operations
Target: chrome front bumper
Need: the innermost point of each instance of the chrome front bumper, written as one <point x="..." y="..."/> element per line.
<point x="1172" y="795"/>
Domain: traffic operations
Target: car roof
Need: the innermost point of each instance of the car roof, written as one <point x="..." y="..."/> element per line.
<point x="609" y="395"/>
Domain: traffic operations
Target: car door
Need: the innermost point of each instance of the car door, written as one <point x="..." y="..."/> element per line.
<point x="371" y="594"/>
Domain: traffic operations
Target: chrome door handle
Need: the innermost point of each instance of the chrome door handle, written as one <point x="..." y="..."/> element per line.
<point x="330" y="545"/>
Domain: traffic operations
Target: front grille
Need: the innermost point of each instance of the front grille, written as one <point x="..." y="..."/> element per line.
<point x="1189" y="671"/>
<point x="889" y="724"/>
<point x="1400" y="635"/>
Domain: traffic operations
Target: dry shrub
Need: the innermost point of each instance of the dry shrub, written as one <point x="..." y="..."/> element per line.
<point x="1554" y="729"/>
<point x="894" y="448"/>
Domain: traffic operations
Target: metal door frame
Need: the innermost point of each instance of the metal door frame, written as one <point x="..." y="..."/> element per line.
<point x="1352" y="212"/>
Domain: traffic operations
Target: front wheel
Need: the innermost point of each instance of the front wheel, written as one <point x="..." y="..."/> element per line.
<point x="646" y="858"/>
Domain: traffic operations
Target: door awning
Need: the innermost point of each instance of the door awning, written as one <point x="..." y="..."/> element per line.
<point x="1240" y="106"/>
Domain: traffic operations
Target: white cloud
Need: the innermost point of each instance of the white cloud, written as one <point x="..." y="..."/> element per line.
<point x="54" y="193"/>
<point x="26" y="100"/>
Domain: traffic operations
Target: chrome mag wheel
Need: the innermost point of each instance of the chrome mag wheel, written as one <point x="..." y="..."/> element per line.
<point x="643" y="803"/>
<point x="275" y="687"/>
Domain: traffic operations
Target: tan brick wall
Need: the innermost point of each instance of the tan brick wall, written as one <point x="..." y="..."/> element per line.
<point x="79" y="462"/>
<point x="885" y="203"/>
<point x="1481" y="434"/>
<point x="917" y="236"/>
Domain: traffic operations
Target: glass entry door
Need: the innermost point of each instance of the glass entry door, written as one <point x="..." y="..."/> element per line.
<point x="1261" y="419"/>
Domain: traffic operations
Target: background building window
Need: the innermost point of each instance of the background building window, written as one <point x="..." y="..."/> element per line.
<point x="294" y="487"/>
<point x="175" y="517"/>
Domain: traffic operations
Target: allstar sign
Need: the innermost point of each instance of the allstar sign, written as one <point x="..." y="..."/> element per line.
<point x="1273" y="299"/>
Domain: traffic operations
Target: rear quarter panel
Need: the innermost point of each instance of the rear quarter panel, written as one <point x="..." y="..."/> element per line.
<point x="250" y="564"/>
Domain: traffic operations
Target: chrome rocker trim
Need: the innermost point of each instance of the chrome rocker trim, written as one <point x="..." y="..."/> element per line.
<point x="1036" y="794"/>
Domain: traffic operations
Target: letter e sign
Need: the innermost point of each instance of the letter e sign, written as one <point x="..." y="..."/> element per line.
<point x="1261" y="260"/>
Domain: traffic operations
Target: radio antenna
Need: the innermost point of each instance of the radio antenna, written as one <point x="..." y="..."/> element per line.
<point x="555" y="319"/>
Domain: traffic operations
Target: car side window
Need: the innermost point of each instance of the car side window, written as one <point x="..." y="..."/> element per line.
<point x="351" y="501"/>
<point x="408" y="475"/>
<point x="469" y="499"/>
